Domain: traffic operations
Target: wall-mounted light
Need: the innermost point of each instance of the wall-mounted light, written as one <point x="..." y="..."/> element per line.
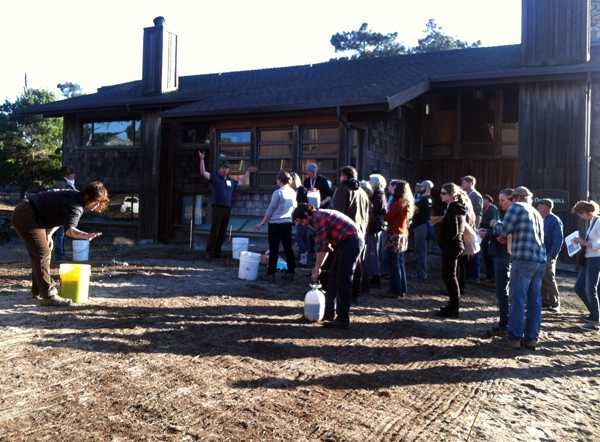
<point x="427" y="110"/>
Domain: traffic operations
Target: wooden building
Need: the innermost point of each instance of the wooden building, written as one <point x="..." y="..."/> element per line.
<point x="510" y="115"/>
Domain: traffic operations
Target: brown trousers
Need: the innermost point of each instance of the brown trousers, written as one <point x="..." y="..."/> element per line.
<point x="550" y="294"/>
<point x="36" y="243"/>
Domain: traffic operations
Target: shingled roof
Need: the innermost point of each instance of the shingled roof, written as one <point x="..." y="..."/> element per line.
<point x="386" y="80"/>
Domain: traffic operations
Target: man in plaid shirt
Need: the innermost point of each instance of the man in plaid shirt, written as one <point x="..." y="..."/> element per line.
<point x="528" y="255"/>
<point x="335" y="233"/>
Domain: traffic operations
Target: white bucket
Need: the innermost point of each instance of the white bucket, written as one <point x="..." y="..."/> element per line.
<point x="81" y="250"/>
<point x="314" y="303"/>
<point x="249" y="263"/>
<point x="239" y="245"/>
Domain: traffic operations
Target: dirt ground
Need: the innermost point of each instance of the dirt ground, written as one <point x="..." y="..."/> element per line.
<point x="176" y="348"/>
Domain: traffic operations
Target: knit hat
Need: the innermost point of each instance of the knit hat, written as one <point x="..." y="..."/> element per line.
<point x="312" y="168"/>
<point x="426" y="183"/>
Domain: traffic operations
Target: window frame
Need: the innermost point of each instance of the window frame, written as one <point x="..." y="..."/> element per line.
<point x="292" y="157"/>
<point x="136" y="144"/>
<point x="219" y="153"/>
<point x="329" y="174"/>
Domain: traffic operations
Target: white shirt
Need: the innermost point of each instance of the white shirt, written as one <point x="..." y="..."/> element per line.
<point x="593" y="237"/>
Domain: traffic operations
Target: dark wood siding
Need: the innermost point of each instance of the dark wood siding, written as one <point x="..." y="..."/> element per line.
<point x="151" y="141"/>
<point x="119" y="168"/>
<point x="554" y="32"/>
<point x="554" y="139"/>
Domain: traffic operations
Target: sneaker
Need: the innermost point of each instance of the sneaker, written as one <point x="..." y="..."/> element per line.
<point x="554" y="309"/>
<point x="591" y="326"/>
<point x="336" y="323"/>
<point x="447" y="312"/>
<point x="496" y="331"/>
<point x="55" y="301"/>
<point x="529" y="344"/>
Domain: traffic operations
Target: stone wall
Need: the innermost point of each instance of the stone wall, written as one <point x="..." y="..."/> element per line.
<point x="595" y="16"/>
<point x="392" y="140"/>
<point x="250" y="203"/>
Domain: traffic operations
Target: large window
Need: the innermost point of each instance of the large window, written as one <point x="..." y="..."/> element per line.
<point x="193" y="210"/>
<point x="478" y="122"/>
<point x="321" y="146"/>
<point x="510" y="123"/>
<point x="122" y="207"/>
<point x="111" y="133"/>
<point x="439" y="134"/>
<point x="236" y="149"/>
<point x="275" y="152"/>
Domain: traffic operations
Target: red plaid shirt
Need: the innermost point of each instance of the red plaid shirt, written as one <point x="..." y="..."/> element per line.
<point x="331" y="228"/>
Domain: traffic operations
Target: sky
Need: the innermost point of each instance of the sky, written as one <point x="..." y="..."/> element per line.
<point x="100" y="43"/>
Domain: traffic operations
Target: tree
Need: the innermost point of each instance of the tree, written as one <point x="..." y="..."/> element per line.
<point x="69" y="89"/>
<point x="30" y="149"/>
<point x="366" y="43"/>
<point x="436" y="40"/>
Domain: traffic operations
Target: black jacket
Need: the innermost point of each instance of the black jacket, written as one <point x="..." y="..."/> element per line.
<point x="377" y="212"/>
<point x="452" y="226"/>
<point x="322" y="185"/>
<point x="302" y="195"/>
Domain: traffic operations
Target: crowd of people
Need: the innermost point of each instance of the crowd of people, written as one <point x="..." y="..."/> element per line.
<point x="355" y="235"/>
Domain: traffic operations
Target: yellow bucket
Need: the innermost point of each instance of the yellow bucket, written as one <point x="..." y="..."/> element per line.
<point x="75" y="281"/>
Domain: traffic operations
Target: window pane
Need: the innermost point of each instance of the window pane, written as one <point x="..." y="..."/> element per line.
<point x="275" y="150"/>
<point x="276" y="136"/>
<point x="87" y="132"/>
<point x="138" y="132"/>
<point x="235" y="150"/>
<point x="320" y="135"/>
<point x="478" y="108"/>
<point x="195" y="204"/>
<point x="266" y="179"/>
<point x="238" y="167"/>
<point x="235" y="137"/>
<point x="274" y="165"/>
<point x="320" y="149"/>
<point x="440" y="128"/>
<point x="122" y="207"/>
<point x="114" y="133"/>
<point x="194" y="134"/>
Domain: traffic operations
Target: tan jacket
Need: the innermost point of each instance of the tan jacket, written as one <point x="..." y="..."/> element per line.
<point x="352" y="201"/>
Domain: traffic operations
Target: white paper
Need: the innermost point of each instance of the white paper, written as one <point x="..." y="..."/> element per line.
<point x="572" y="247"/>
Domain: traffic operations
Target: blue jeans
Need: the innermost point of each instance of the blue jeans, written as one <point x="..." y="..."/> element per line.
<point x="474" y="268"/>
<point x="525" y="309"/>
<point x="397" y="272"/>
<point x="587" y="286"/>
<point x="422" y="248"/>
<point x="372" y="259"/>
<point x="59" y="244"/>
<point x="501" y="276"/>
<point x="304" y="239"/>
